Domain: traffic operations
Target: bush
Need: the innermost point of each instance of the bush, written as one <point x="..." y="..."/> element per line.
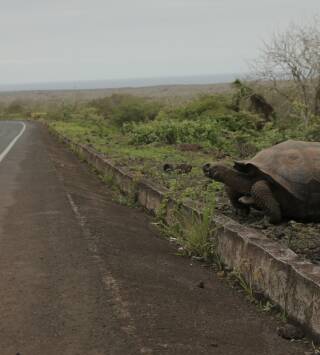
<point x="220" y="131"/>
<point x="122" y="109"/>
<point x="63" y="112"/>
<point x="205" y="104"/>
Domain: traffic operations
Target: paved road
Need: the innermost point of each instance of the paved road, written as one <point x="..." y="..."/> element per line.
<point x="80" y="274"/>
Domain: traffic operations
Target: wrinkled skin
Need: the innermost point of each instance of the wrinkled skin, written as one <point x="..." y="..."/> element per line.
<point x="245" y="191"/>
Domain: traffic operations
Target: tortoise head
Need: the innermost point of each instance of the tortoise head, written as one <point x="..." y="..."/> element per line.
<point x="216" y="172"/>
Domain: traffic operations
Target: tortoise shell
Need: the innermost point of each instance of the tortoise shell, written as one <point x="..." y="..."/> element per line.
<point x="295" y="165"/>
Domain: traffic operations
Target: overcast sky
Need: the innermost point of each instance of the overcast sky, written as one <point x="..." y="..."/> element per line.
<point x="62" y="40"/>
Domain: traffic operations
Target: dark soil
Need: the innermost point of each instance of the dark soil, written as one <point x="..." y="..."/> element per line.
<point x="302" y="238"/>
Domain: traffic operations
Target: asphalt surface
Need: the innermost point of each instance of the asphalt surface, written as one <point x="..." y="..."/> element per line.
<point x="81" y="274"/>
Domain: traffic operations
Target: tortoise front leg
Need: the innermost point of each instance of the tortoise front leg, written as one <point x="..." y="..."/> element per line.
<point x="264" y="200"/>
<point x="234" y="199"/>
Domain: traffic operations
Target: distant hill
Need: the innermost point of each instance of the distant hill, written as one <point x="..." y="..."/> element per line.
<point x="124" y="83"/>
<point x="166" y="93"/>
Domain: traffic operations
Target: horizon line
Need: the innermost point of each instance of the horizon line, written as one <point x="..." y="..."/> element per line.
<point x="200" y="79"/>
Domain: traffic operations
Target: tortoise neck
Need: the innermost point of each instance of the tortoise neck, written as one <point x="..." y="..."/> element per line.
<point x="238" y="181"/>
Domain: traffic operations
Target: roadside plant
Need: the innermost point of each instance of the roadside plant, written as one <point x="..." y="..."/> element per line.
<point x="124" y="109"/>
<point x="195" y="233"/>
<point x="195" y="237"/>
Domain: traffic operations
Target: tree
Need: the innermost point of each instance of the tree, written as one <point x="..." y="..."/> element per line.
<point x="291" y="62"/>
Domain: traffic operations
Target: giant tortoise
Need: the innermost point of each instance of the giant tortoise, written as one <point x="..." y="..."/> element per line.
<point x="282" y="181"/>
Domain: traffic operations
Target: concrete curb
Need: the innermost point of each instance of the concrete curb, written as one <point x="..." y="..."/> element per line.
<point x="284" y="278"/>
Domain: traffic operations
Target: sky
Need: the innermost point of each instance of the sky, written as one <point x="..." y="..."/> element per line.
<point x="73" y="40"/>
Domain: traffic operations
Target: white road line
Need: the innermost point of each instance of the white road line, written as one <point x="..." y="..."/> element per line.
<point x="12" y="143"/>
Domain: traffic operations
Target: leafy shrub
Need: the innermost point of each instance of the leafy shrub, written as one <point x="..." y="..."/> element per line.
<point x="221" y="131"/>
<point x="122" y="109"/>
<point x="63" y="112"/>
<point x="205" y="104"/>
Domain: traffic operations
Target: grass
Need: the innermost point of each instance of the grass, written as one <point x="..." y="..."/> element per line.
<point x="194" y="234"/>
<point x="144" y="161"/>
<point x="143" y="147"/>
<point x="197" y="232"/>
<point x="246" y="286"/>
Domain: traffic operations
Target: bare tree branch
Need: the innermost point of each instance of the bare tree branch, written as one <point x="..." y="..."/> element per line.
<point x="291" y="62"/>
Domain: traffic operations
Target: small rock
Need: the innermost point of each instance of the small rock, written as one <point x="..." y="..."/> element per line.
<point x="179" y="168"/>
<point x="165" y="346"/>
<point x="279" y="233"/>
<point x="200" y="284"/>
<point x="168" y="168"/>
<point x="258" y="295"/>
<point x="214" y="345"/>
<point x="183" y="168"/>
<point x="221" y="274"/>
<point x="289" y="331"/>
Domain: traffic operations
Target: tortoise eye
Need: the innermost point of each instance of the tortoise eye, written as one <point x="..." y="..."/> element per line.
<point x="215" y="174"/>
<point x="206" y="169"/>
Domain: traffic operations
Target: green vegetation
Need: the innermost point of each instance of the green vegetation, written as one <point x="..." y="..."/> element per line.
<point x="135" y="130"/>
<point x="196" y="237"/>
<point x="194" y="234"/>
<point x="123" y="109"/>
<point x="141" y="135"/>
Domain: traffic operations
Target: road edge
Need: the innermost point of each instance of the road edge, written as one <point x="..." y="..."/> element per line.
<point x="291" y="283"/>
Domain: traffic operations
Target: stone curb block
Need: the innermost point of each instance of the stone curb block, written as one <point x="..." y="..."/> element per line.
<point x="284" y="278"/>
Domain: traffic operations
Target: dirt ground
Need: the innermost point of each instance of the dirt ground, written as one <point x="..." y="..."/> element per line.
<point x="170" y="93"/>
<point x="302" y="238"/>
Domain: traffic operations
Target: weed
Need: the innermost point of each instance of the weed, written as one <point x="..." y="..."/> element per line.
<point x="108" y="179"/>
<point x="316" y="349"/>
<point x="283" y="315"/>
<point x="237" y="277"/>
<point x="123" y="200"/>
<point x="161" y="211"/>
<point x="193" y="233"/>
<point x="195" y="236"/>
<point x="266" y="306"/>
<point x="126" y="198"/>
